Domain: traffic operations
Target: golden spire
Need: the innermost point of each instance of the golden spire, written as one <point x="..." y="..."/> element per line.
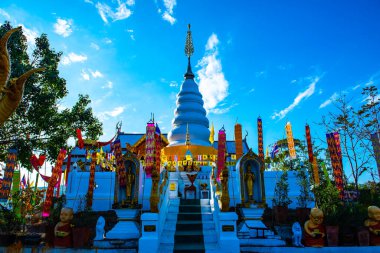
<point x="212" y="132"/>
<point x="189" y="50"/>
<point x="187" y="135"/>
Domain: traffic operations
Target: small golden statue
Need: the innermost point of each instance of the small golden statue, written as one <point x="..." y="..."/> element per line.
<point x="63" y="237"/>
<point x="249" y="180"/>
<point x="130" y="181"/>
<point x="314" y="229"/>
<point x="373" y="224"/>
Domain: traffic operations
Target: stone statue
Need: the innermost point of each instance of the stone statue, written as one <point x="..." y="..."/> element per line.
<point x="100" y="228"/>
<point x="63" y="237"/>
<point x="297" y="235"/>
<point x="249" y="180"/>
<point x="129" y="183"/>
<point x="373" y="224"/>
<point x="314" y="230"/>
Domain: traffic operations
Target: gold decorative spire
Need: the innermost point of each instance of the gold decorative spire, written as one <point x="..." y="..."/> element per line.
<point x="189" y="50"/>
<point x="187" y="135"/>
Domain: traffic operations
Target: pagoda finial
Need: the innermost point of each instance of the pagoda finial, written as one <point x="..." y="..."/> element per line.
<point x="189" y="50"/>
<point x="187" y="135"/>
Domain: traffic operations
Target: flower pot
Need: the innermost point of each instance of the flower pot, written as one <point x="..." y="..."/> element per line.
<point x="302" y="214"/>
<point x="280" y="214"/>
<point x="332" y="235"/>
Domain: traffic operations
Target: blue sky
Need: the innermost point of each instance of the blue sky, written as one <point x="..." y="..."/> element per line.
<point x="282" y="60"/>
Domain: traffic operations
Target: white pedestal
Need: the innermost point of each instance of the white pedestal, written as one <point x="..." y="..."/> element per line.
<point x="147" y="187"/>
<point x="227" y="232"/>
<point x="126" y="227"/>
<point x="149" y="240"/>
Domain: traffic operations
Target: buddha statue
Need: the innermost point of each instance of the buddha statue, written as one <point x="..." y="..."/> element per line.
<point x="314" y="230"/>
<point x="373" y="224"/>
<point x="63" y="232"/>
<point x="249" y="180"/>
<point x="130" y="180"/>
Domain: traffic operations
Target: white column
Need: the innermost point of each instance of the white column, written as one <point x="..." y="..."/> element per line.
<point x="228" y="240"/>
<point x="149" y="241"/>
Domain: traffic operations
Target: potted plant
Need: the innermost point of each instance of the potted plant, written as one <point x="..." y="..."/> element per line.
<point x="302" y="211"/>
<point x="9" y="225"/>
<point x="281" y="199"/>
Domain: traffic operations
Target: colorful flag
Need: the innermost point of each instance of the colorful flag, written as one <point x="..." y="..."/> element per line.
<point x="289" y="137"/>
<point x="238" y="141"/>
<point x="375" y="138"/>
<point x="336" y="163"/>
<point x="221" y="152"/>
<point x="260" y="138"/>
<point x="275" y="150"/>
<point x="121" y="172"/>
<point x="309" y="144"/>
<point x="150" y="148"/>
<point x="23" y="182"/>
<point x="52" y="182"/>
<point x="5" y="188"/>
<point x="157" y="140"/>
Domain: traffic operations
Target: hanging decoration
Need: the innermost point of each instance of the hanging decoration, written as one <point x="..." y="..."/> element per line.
<point x="52" y="183"/>
<point x="315" y="172"/>
<point x="212" y="133"/>
<point x="157" y="140"/>
<point x="91" y="183"/>
<point x="67" y="170"/>
<point x="289" y="137"/>
<point x="309" y="145"/>
<point x="338" y="148"/>
<point x="238" y="141"/>
<point x="150" y="146"/>
<point x="335" y="162"/>
<point x="80" y="139"/>
<point x="121" y="172"/>
<point x="8" y="174"/>
<point x="260" y="138"/>
<point x="221" y="152"/>
<point x="375" y="138"/>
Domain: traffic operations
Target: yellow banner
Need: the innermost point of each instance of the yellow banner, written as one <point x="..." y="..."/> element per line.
<point x="289" y="137"/>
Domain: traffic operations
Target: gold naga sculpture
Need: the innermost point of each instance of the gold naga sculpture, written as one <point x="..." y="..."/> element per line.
<point x="10" y="96"/>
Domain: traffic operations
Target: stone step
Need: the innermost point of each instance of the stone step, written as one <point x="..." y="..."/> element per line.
<point x="189" y="247"/>
<point x="172" y="224"/>
<point x="184" y="202"/>
<point x="194" y="208"/>
<point x="194" y="216"/>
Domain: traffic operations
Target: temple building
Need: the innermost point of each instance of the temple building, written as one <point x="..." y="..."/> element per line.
<point x="188" y="186"/>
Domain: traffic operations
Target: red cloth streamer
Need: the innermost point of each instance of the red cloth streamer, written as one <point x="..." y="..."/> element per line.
<point x="68" y="164"/>
<point x="37" y="162"/>
<point x="260" y="138"/>
<point x="52" y="183"/>
<point x="121" y="173"/>
<point x="336" y="163"/>
<point x="91" y="183"/>
<point x="149" y="148"/>
<point x="238" y="141"/>
<point x="157" y="140"/>
<point x="5" y="187"/>
<point x="80" y="139"/>
<point x="221" y="152"/>
<point x="309" y="145"/>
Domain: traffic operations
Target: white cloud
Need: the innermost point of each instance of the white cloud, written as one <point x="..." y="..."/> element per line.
<point x="303" y="95"/>
<point x="89" y="1"/>
<point x="212" y="83"/>
<point x="166" y="16"/>
<point x="108" y="85"/>
<point x="96" y="74"/>
<point x="130" y="2"/>
<point x="31" y="35"/>
<point x="173" y="84"/>
<point x="356" y="87"/>
<point x="5" y="14"/>
<point x="94" y="46"/>
<point x="121" y="11"/>
<point x="131" y="34"/>
<point x="223" y="110"/>
<point x="85" y="75"/>
<point x="63" y="27"/>
<point x="107" y="40"/>
<point x="73" y="57"/>
<point x="329" y="101"/>
<point x="113" y="113"/>
<point x="168" y="13"/>
<point x="251" y="90"/>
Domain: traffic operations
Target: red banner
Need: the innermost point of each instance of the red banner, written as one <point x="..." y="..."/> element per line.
<point x="309" y="144"/>
<point x="260" y="138"/>
<point x="221" y="152"/>
<point x="336" y="163"/>
<point x="338" y="148"/>
<point x="157" y="140"/>
<point x="52" y="183"/>
<point x="91" y="183"/>
<point x="121" y="173"/>
<point x="149" y="148"/>
<point x="5" y="187"/>
<point x="238" y="141"/>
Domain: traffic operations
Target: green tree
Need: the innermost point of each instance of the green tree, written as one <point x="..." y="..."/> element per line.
<point x="38" y="124"/>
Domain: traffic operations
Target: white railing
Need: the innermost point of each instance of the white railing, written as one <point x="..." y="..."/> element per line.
<point x="215" y="209"/>
<point x="163" y="206"/>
